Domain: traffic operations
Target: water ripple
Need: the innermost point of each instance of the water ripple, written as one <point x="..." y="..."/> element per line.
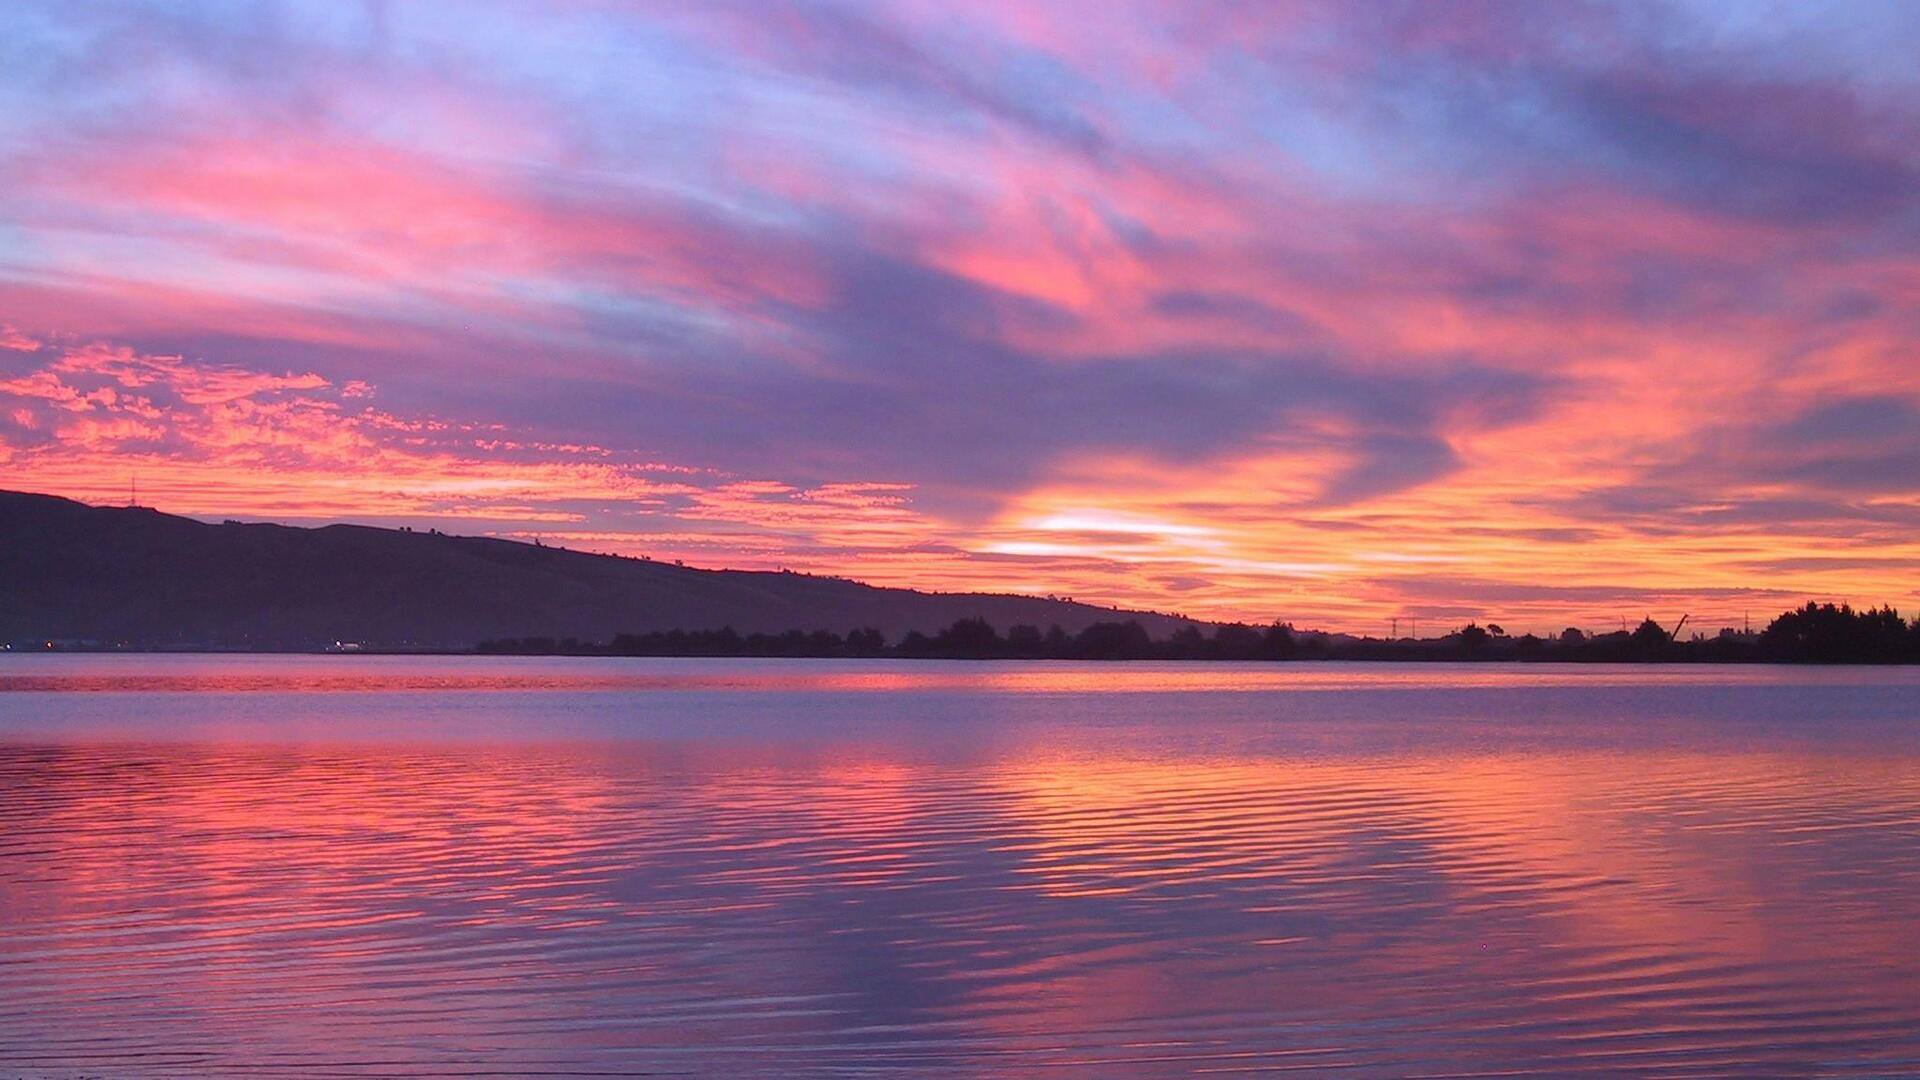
<point x="1005" y="880"/>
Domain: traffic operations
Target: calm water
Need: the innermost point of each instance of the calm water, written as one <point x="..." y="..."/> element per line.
<point x="347" y="866"/>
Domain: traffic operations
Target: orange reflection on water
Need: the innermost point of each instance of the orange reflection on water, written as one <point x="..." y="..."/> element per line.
<point x="965" y="882"/>
<point x="307" y="674"/>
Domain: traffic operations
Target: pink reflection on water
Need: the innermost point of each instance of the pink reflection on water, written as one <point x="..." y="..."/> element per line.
<point x="160" y="673"/>
<point x="1138" y="884"/>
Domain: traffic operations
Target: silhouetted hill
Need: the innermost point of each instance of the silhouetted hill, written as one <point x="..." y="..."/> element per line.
<point x="123" y="574"/>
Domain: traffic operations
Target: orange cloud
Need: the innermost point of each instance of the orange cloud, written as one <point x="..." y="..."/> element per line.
<point x="1243" y="539"/>
<point x="1251" y="314"/>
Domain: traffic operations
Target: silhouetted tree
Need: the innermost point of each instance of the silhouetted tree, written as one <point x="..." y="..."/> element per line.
<point x="867" y="641"/>
<point x="1188" y="643"/>
<point x="971" y="639"/>
<point x="1649" y="640"/>
<point x="1024" y="639"/>
<point x="1825" y="634"/>
<point x="1058" y="645"/>
<point x="1279" y="642"/>
<point x="1114" y="641"/>
<point x="1238" y="641"/>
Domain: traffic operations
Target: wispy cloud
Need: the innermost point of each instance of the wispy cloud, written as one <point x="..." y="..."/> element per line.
<point x="1317" y="310"/>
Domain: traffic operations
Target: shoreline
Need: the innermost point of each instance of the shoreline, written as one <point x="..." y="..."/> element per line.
<point x="1331" y="658"/>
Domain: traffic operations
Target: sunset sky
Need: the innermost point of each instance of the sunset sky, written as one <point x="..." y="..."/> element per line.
<point x="1539" y="313"/>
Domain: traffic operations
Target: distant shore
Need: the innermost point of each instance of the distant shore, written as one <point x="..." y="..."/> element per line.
<point x="1357" y="656"/>
<point x="1813" y="634"/>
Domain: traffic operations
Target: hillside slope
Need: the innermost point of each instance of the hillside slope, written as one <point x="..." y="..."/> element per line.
<point x="135" y="575"/>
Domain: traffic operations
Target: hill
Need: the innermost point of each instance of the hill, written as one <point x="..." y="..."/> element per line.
<point x="70" y="571"/>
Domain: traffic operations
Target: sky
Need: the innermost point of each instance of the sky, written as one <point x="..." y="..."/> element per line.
<point x="1538" y="313"/>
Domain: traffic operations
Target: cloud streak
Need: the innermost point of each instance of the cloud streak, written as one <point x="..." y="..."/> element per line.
<point x="1323" y="311"/>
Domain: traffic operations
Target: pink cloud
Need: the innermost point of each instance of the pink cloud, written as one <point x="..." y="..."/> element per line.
<point x="11" y="338"/>
<point x="842" y="244"/>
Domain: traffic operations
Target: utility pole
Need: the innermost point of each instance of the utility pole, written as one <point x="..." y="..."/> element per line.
<point x="1396" y="628"/>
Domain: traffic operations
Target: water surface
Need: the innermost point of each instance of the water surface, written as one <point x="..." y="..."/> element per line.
<point x="369" y="866"/>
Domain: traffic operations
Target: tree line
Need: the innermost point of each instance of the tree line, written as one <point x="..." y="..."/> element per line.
<point x="966" y="639"/>
<point x="1815" y="633"/>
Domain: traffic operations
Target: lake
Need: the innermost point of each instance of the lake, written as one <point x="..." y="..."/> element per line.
<point x="449" y="866"/>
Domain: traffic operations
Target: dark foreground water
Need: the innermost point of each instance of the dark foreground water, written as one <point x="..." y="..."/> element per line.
<point x="511" y="867"/>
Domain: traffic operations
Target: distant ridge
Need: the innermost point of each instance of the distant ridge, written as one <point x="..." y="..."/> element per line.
<point x="111" y="575"/>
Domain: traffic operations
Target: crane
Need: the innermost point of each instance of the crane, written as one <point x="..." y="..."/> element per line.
<point x="1675" y="636"/>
